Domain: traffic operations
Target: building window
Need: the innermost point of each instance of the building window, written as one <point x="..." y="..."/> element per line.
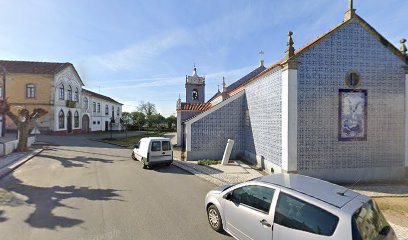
<point x="118" y="111"/>
<point x="76" y="95"/>
<point x="113" y="112"/>
<point x="76" y="120"/>
<point x="70" y="93"/>
<point x="195" y="94"/>
<point x="106" y="110"/>
<point x="61" y="119"/>
<point x="99" y="107"/>
<point x="86" y="103"/>
<point x="30" y="90"/>
<point x="94" y="106"/>
<point x="61" y="92"/>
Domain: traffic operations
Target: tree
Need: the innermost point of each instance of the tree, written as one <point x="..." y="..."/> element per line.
<point x="24" y="120"/>
<point x="171" y="122"/>
<point x="139" y="119"/>
<point x="147" y="108"/>
<point x="156" y="120"/>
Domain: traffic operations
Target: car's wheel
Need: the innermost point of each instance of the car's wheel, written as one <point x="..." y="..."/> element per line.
<point x="214" y="218"/>
<point x="168" y="164"/>
<point x="144" y="166"/>
<point x="133" y="156"/>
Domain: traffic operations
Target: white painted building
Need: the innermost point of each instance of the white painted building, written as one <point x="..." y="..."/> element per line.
<point x="98" y="111"/>
<point x="67" y="111"/>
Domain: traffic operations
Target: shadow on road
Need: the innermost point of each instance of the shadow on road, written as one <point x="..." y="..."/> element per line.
<point x="169" y="169"/>
<point x="46" y="199"/>
<point x="76" y="161"/>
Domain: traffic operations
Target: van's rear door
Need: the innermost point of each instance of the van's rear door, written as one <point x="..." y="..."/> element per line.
<point x="160" y="150"/>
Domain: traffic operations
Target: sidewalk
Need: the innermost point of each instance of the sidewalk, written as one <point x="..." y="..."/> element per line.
<point x="14" y="160"/>
<point x="220" y="174"/>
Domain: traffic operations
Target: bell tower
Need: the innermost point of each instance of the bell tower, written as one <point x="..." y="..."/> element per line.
<point x="195" y="88"/>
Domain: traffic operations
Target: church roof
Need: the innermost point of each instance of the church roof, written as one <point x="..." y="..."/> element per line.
<point x="196" y="107"/>
<point x="94" y="94"/>
<point x="29" y="67"/>
<point x="302" y="50"/>
<point x="240" y="82"/>
<point x="218" y="93"/>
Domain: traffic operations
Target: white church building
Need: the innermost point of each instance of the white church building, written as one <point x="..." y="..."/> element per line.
<point x="335" y="109"/>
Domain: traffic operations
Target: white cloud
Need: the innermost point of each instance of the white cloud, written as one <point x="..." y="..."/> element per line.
<point x="137" y="55"/>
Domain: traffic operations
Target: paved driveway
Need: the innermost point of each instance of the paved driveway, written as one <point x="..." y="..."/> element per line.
<point x="82" y="189"/>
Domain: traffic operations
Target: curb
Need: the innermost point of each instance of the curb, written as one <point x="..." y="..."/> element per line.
<point x="17" y="163"/>
<point x="199" y="174"/>
<point x="114" y="144"/>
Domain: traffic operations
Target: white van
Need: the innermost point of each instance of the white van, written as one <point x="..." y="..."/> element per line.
<point x="153" y="150"/>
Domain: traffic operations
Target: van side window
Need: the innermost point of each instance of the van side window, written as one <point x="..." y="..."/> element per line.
<point x="156" y="146"/>
<point x="166" y="146"/>
<point x="294" y="213"/>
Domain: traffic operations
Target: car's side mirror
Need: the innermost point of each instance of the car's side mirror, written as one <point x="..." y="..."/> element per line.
<point x="136" y="146"/>
<point x="228" y="196"/>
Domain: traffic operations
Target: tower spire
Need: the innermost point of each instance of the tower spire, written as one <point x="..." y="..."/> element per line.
<point x="290" y="52"/>
<point x="261" y="56"/>
<point x="351" y="12"/>
<point x="195" y="70"/>
<point x="224" y="86"/>
<point x="403" y="47"/>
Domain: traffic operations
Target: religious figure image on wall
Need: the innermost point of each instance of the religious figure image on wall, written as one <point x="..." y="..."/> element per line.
<point x="352" y="115"/>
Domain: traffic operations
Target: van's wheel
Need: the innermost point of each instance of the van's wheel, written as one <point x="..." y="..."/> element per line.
<point x="144" y="166"/>
<point x="168" y="164"/>
<point x="133" y="156"/>
<point x="214" y="218"/>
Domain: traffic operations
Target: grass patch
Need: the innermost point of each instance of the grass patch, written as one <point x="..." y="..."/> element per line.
<point x="395" y="209"/>
<point x="208" y="162"/>
<point x="130" y="141"/>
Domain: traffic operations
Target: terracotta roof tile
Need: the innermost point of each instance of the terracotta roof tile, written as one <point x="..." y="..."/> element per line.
<point x="33" y="67"/>
<point x="195" y="107"/>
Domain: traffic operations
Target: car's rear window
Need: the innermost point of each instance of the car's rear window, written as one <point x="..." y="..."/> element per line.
<point x="294" y="213"/>
<point x="368" y="222"/>
<point x="166" y="146"/>
<point x="156" y="146"/>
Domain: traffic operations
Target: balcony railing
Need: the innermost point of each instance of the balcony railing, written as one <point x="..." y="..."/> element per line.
<point x="71" y="104"/>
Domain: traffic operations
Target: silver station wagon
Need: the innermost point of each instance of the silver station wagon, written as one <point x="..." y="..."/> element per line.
<point x="290" y="206"/>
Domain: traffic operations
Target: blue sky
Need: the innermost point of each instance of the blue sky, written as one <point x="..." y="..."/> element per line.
<point x="141" y="50"/>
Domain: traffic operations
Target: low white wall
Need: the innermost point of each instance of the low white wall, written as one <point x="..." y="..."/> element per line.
<point x="9" y="147"/>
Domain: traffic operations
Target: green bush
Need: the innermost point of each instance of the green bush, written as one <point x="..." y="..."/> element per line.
<point x="208" y="162"/>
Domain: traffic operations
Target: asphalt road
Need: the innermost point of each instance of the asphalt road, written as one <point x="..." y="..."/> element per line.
<point x="89" y="190"/>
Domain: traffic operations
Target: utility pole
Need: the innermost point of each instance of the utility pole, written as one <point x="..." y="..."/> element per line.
<point x="3" y="73"/>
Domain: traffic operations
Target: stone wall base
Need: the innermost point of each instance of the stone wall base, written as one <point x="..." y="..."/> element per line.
<point x="9" y="147"/>
<point x="260" y="162"/>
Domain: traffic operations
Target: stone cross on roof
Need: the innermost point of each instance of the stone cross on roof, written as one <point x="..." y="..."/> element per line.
<point x="351" y="11"/>
<point x="290" y="52"/>
<point x="350" y="5"/>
